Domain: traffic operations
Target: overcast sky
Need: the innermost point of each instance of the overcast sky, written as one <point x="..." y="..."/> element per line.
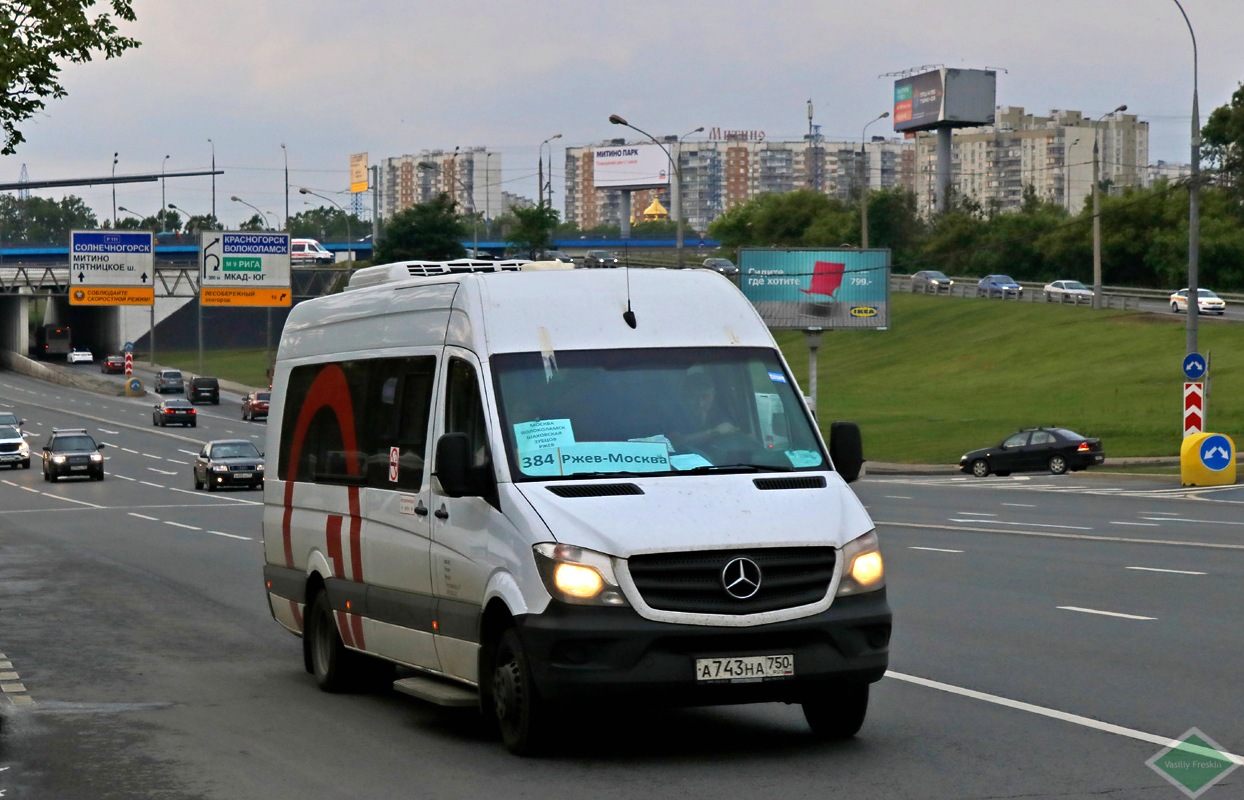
<point x="329" y="78"/>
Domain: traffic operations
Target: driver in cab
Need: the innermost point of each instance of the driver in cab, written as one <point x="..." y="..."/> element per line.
<point x="705" y="420"/>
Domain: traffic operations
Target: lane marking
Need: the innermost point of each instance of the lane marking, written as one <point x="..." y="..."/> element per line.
<point x="124" y="477"/>
<point x="976" y="514"/>
<point x="128" y="450"/>
<point x="1033" y="524"/>
<point x="188" y="452"/>
<point x="161" y="471"/>
<point x="1020" y="505"/>
<point x="70" y="499"/>
<point x="230" y="535"/>
<point x="1103" y="613"/>
<point x="174" y="461"/>
<point x="1031" y="708"/>
<point x="1198" y="521"/>
<point x="1171" y="571"/>
<point x="110" y="433"/>
<point x="182" y="525"/>
<point x="144" y="516"/>
<point x="897" y="497"/>
<point x="1053" y="535"/>
<point x="149" y="455"/>
<point x="935" y="549"/>
<point x="1136" y="524"/>
<point x="149" y="483"/>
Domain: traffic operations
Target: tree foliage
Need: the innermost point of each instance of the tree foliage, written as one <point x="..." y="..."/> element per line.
<point x="1223" y="136"/>
<point x="40" y="222"/>
<point x="38" y="37"/>
<point x="430" y="231"/>
<point x="328" y="225"/>
<point x="533" y="230"/>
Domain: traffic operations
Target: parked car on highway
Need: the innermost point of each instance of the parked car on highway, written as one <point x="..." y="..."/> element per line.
<point x="9" y="418"/>
<point x="999" y="286"/>
<point x="599" y="258"/>
<point x="203" y="390"/>
<point x="1033" y="450"/>
<point x="1067" y="292"/>
<point x="112" y="364"/>
<point x="72" y="452"/>
<point x="228" y="462"/>
<point x="723" y="265"/>
<point x="169" y="380"/>
<point x="255" y="405"/>
<point x="80" y="356"/>
<point x="1206" y="302"/>
<point x="931" y="280"/>
<point x="174" y="411"/>
<point x="14" y="450"/>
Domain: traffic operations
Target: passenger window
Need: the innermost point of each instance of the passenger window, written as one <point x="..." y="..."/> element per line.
<point x="464" y="409"/>
<point x="1017" y="440"/>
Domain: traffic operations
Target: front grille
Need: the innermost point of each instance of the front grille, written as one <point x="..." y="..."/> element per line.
<point x="692" y="582"/>
<point x="9" y="448"/>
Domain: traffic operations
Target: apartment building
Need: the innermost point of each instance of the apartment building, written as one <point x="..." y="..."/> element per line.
<point x="472" y="177"/>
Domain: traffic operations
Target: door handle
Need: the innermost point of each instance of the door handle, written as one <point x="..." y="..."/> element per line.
<point x="441" y="513"/>
<point x="421" y="509"/>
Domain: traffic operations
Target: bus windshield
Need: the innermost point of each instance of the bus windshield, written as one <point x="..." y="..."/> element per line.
<point x="669" y="411"/>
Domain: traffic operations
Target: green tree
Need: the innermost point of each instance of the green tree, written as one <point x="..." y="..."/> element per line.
<point x="40" y="221"/>
<point x="533" y="230"/>
<point x="38" y="36"/>
<point x="430" y="231"/>
<point x="328" y="225"/>
<point x="1223" y="136"/>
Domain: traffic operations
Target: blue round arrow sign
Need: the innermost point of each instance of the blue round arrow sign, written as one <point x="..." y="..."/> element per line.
<point x="135" y="384"/>
<point x="1194" y="366"/>
<point x="1216" y="452"/>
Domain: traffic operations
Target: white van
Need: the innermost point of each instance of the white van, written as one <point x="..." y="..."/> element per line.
<point x="308" y="251"/>
<point x="530" y="487"/>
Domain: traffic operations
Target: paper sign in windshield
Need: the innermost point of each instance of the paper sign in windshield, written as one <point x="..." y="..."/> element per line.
<point x="589" y="457"/>
<point x="804" y="458"/>
<point x="543" y="434"/>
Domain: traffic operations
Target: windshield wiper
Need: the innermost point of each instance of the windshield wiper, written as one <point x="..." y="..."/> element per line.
<point x="733" y="468"/>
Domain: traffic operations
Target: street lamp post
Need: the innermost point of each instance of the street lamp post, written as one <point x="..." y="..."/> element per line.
<point x="266" y="221"/>
<point x="864" y="180"/>
<point x="349" y="236"/>
<point x="178" y="209"/>
<point x="540" y="158"/>
<point x="1097" y="211"/>
<point x="1194" y="201"/>
<point x="199" y="292"/>
<point x="285" y="154"/>
<point x="617" y="120"/>
<point x="115" y="159"/>
<point x="470" y="196"/>
<point x="213" y="144"/>
<point x="162" y="205"/>
<point x="487" y="191"/>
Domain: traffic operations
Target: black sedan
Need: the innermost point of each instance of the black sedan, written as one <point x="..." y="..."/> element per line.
<point x="228" y="462"/>
<point x="1033" y="450"/>
<point x="176" y="411"/>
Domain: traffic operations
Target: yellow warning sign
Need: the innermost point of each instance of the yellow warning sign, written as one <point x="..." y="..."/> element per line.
<point x="233" y="296"/>
<point x="112" y="296"/>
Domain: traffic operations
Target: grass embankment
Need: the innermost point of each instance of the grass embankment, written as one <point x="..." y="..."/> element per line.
<point x="955" y="374"/>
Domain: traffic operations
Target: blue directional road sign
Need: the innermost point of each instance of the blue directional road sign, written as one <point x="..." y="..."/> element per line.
<point x="128" y="347"/>
<point x="1216" y="452"/>
<point x="1194" y="366"/>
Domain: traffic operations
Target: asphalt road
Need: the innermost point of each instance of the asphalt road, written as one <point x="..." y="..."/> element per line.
<point x="1050" y="634"/>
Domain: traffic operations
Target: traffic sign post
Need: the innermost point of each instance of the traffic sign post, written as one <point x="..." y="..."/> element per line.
<point x="129" y="362"/>
<point x="241" y="268"/>
<point x="1207" y="459"/>
<point x="1194" y="408"/>
<point x="111" y="268"/>
<point x="1195" y="366"/>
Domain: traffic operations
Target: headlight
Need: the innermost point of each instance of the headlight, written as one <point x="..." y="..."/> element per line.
<point x="23" y="450"/>
<point x="58" y="459"/>
<point x="578" y="576"/>
<point x="259" y="468"/>
<point x="96" y="458"/>
<point x="863" y="569"/>
<point x="220" y="468"/>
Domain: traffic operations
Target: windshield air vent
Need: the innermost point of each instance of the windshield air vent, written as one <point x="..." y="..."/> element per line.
<point x="802" y="482"/>
<point x="596" y="490"/>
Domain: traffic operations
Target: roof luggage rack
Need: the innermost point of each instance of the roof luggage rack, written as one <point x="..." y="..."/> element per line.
<point x="404" y="270"/>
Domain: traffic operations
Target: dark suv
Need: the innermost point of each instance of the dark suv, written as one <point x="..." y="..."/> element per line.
<point x="203" y="390"/>
<point x="599" y="258"/>
<point x="72" y="452"/>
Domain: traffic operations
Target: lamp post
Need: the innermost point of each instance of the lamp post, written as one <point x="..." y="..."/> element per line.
<point x="487" y="191"/>
<point x="213" y="144"/>
<point x="180" y="210"/>
<point x="680" y="203"/>
<point x="617" y="120"/>
<point x="266" y="221"/>
<point x="349" y="236"/>
<point x="115" y="159"/>
<point x="131" y="212"/>
<point x="199" y="292"/>
<point x="540" y="158"/>
<point x="162" y="206"/>
<point x="864" y="180"/>
<point x="470" y="196"/>
<point x="1194" y="200"/>
<point x="285" y="155"/>
<point x="1097" y="211"/>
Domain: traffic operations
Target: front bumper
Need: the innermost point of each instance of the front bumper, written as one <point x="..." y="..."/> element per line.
<point x="579" y="652"/>
<point x="231" y="479"/>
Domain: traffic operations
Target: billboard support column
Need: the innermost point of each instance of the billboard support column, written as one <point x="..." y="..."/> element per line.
<point x="943" y="169"/>
<point x="626" y="214"/>
<point x="814" y="342"/>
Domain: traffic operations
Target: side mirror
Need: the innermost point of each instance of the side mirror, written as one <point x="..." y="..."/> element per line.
<point x="846" y="449"/>
<point x="46" y="449"/>
<point x="453" y="460"/>
<point x="100" y="446"/>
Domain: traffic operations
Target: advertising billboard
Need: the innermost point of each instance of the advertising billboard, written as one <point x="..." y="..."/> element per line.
<point x="954" y="98"/>
<point x="630" y="166"/>
<point x="826" y="288"/>
<point x="358" y="173"/>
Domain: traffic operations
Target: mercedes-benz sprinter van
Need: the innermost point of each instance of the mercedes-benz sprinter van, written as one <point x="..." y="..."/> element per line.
<point x="532" y="487"/>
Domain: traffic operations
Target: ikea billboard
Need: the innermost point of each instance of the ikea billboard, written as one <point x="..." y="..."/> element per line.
<point x="825" y="288"/>
<point x="630" y="166"/>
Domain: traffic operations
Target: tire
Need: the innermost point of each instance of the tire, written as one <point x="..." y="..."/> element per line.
<point x="244" y="415"/>
<point x="329" y="658"/>
<point x="53" y="477"/>
<point x="1049" y="298"/>
<point x="980" y="468"/>
<point x="207" y="481"/>
<point x="154" y="422"/>
<point x="522" y="717"/>
<point x="837" y="712"/>
<point x="26" y="464"/>
<point x="98" y="477"/>
<point x="1174" y="308"/>
<point x="1058" y="464"/>
<point x="45" y="476"/>
<point x="198" y="484"/>
<point x="194" y="424"/>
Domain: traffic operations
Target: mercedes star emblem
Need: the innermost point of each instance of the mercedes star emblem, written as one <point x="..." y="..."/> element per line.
<point x="741" y="578"/>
